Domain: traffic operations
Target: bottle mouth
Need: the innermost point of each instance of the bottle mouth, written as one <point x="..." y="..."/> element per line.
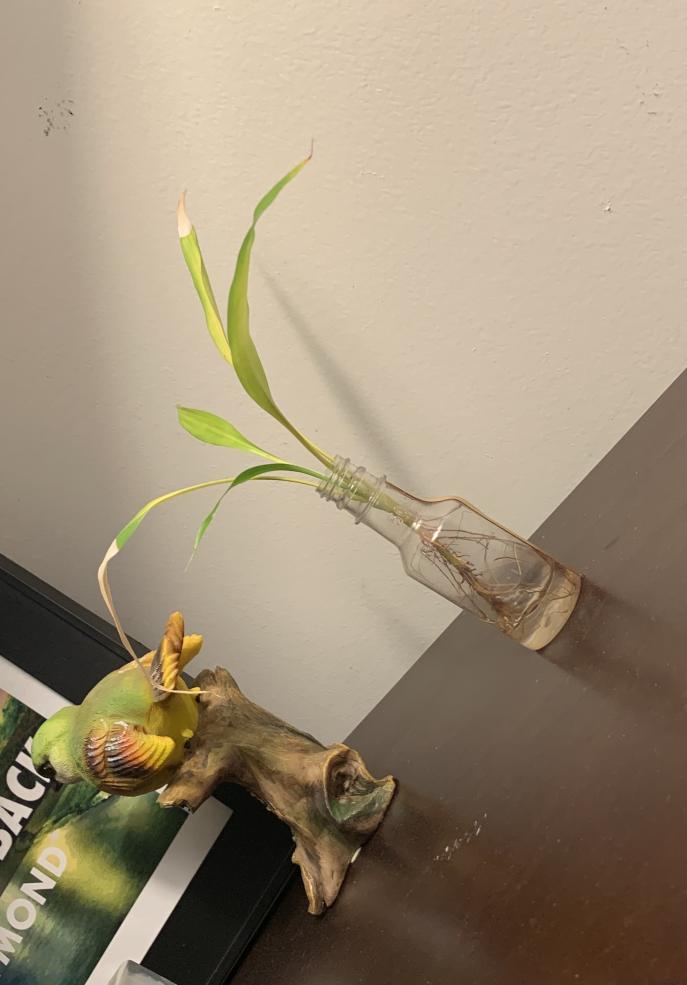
<point x="351" y="488"/>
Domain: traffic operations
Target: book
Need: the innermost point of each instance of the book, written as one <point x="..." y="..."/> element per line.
<point x="86" y="879"/>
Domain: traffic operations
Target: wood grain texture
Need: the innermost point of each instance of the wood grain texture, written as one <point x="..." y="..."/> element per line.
<point x="538" y="836"/>
<point x="325" y="794"/>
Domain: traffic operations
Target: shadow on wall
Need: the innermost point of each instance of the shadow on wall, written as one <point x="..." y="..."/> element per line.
<point x="375" y="432"/>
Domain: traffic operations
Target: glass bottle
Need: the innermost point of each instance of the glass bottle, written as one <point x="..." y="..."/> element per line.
<point x="454" y="549"/>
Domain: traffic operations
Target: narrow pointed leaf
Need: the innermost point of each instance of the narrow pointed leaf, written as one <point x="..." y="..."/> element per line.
<point x="129" y="529"/>
<point x="260" y="472"/>
<point x="214" y="430"/>
<point x="206" y="523"/>
<point x="190" y="247"/>
<point x="132" y="526"/>
<point x="255" y="472"/>
<point x="247" y="362"/>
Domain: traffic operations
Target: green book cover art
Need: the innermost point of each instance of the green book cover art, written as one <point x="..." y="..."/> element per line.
<point x="72" y="862"/>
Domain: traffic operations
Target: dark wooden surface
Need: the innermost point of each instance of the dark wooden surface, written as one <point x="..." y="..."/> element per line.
<point x="540" y="831"/>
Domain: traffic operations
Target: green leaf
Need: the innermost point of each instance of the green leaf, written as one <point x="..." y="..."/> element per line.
<point x="127" y="532"/>
<point x="247" y="362"/>
<point x="214" y="430"/>
<point x="205" y="524"/>
<point x="190" y="247"/>
<point x="255" y="472"/>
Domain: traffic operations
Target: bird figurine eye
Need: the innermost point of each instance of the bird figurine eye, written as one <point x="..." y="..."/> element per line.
<point x="46" y="770"/>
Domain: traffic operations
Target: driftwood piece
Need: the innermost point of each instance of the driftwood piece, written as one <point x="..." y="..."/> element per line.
<point x="326" y="795"/>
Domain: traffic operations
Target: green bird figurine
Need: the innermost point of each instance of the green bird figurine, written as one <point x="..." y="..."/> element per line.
<point x="128" y="735"/>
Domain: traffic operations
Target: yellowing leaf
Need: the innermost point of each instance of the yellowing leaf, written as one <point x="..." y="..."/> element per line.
<point x="190" y="247"/>
<point x="130" y="528"/>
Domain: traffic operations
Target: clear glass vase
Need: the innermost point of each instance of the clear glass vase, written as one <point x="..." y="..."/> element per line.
<point x="454" y="549"/>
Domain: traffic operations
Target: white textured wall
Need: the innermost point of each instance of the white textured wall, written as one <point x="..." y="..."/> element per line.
<point x="478" y="286"/>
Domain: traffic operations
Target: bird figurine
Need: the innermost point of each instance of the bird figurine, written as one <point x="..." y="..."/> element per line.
<point x="130" y="733"/>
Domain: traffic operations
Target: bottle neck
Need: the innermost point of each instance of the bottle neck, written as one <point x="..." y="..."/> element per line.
<point x="351" y="488"/>
<point x="370" y="499"/>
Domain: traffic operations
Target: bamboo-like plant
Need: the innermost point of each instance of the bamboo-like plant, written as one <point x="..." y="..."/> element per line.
<point x="235" y="344"/>
<point x="448" y="545"/>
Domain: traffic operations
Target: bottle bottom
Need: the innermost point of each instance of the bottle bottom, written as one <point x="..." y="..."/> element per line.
<point x="540" y="626"/>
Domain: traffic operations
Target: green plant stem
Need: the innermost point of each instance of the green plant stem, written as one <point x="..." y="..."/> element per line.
<point x="318" y="453"/>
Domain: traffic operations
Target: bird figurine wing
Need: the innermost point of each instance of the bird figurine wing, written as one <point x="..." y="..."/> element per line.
<point x="120" y="756"/>
<point x="172" y="655"/>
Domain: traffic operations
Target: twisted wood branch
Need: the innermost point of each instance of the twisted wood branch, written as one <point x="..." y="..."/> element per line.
<point x="325" y="794"/>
